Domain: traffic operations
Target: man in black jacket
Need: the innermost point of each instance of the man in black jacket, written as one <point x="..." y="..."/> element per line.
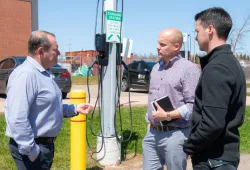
<point x="220" y="97"/>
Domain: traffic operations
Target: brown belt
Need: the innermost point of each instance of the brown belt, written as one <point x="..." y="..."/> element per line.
<point x="45" y="139"/>
<point x="164" y="128"/>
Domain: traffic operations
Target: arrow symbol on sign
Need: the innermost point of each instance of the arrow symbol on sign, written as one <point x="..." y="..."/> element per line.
<point x="109" y="37"/>
<point x="118" y="37"/>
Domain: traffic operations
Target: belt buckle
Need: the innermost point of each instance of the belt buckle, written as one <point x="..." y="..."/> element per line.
<point x="158" y="128"/>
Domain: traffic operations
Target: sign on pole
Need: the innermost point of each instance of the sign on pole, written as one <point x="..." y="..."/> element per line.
<point x="113" y="26"/>
<point x="127" y="45"/>
<point x="185" y="37"/>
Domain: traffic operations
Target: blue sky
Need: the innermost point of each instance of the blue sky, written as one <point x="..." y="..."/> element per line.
<point x="74" y="20"/>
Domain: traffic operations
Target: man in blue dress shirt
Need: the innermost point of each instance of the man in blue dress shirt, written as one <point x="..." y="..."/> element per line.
<point x="33" y="110"/>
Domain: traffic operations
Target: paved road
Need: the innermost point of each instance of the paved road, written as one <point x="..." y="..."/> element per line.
<point x="137" y="97"/>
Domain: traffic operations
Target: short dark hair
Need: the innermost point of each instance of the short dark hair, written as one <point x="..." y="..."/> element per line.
<point x="39" y="39"/>
<point x="217" y="17"/>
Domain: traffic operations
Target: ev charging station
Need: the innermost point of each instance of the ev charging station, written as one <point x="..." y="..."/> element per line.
<point x="108" y="45"/>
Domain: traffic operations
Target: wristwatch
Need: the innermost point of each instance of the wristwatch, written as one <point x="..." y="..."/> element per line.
<point x="168" y="118"/>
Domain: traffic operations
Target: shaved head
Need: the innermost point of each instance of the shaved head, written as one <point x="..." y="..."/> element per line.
<point x="169" y="43"/>
<point x="173" y="34"/>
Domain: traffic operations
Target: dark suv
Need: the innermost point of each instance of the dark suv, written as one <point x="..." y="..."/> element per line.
<point x="139" y="75"/>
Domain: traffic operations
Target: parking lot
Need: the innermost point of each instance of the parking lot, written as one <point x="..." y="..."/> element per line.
<point x="137" y="97"/>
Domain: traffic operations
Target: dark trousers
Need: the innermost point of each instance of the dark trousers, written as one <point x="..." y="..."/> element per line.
<point x="43" y="161"/>
<point x="203" y="164"/>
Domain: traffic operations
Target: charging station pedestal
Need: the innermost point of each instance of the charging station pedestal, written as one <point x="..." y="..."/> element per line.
<point x="110" y="153"/>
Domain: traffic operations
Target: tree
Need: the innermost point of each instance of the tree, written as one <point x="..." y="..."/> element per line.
<point x="244" y="56"/>
<point x="238" y="34"/>
<point x="241" y="56"/>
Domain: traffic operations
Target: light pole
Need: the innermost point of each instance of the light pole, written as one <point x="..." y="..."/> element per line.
<point x="194" y="46"/>
<point x="107" y="145"/>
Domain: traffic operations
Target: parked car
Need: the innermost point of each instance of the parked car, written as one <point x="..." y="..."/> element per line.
<point x="59" y="74"/>
<point x="139" y="75"/>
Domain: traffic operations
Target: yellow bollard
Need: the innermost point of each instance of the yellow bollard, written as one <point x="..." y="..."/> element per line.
<point x="78" y="133"/>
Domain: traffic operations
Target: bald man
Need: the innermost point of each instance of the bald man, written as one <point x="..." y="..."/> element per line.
<point x="175" y="77"/>
<point x="33" y="110"/>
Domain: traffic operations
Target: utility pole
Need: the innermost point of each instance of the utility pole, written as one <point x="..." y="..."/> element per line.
<point x="194" y="59"/>
<point x="111" y="150"/>
<point x="69" y="44"/>
<point x="185" y="43"/>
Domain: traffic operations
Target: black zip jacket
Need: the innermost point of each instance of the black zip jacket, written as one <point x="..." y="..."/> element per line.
<point x="219" y="108"/>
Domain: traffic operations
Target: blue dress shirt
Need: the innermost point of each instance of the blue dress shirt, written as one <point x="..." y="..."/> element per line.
<point x="33" y="106"/>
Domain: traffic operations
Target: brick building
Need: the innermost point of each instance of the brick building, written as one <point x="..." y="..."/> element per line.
<point x="87" y="57"/>
<point x="80" y="58"/>
<point x="83" y="57"/>
<point x="15" y="26"/>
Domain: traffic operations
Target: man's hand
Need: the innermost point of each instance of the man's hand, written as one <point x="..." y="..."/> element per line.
<point x="84" y="108"/>
<point x="160" y="114"/>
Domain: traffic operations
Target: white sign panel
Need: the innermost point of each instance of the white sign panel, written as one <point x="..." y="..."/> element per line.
<point x="185" y="37"/>
<point x="125" y="42"/>
<point x="113" y="26"/>
<point x="109" y="5"/>
<point x="130" y="48"/>
<point x="126" y="48"/>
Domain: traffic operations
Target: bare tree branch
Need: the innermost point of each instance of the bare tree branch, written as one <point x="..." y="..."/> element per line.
<point x="236" y="36"/>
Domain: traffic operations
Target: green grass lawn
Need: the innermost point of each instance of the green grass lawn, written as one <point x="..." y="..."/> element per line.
<point x="62" y="144"/>
<point x="248" y="86"/>
<point x="245" y="133"/>
<point x="82" y="80"/>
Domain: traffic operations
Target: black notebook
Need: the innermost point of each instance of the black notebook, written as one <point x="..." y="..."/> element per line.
<point x="166" y="105"/>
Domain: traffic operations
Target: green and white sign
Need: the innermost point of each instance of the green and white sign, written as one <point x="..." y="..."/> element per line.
<point x="113" y="26"/>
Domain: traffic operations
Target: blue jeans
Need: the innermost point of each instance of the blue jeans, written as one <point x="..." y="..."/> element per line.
<point x="43" y="161"/>
<point x="202" y="164"/>
<point x="205" y="166"/>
